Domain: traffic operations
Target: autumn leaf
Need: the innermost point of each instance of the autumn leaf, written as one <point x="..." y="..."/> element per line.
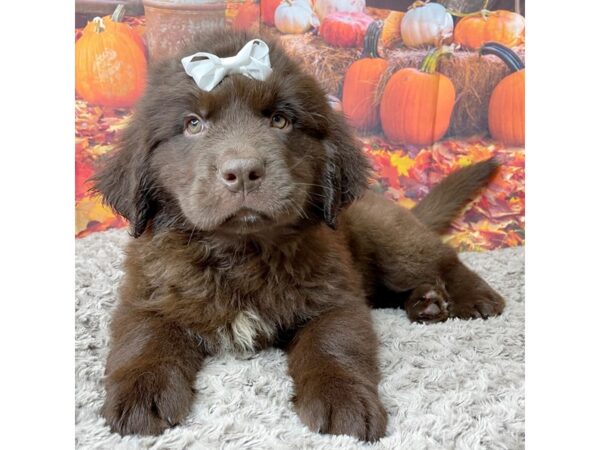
<point x="407" y="203"/>
<point x="83" y="171"/>
<point x="401" y="163"/>
<point x="388" y="172"/>
<point x="90" y="211"/>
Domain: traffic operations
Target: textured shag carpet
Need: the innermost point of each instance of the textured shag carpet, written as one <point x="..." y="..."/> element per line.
<point x="458" y="384"/>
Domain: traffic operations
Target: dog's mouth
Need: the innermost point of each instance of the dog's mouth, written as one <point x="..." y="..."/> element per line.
<point x="246" y="220"/>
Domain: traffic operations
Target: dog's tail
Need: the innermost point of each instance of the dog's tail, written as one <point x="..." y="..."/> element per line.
<point x="445" y="201"/>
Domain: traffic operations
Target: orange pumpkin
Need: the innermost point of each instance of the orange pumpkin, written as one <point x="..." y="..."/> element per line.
<point x="390" y="34"/>
<point x="417" y="105"/>
<point x="247" y="16"/>
<point x="110" y="65"/>
<point x="506" y="111"/>
<point x="115" y="22"/>
<point x="345" y="29"/>
<point x="359" y="95"/>
<point x="267" y="11"/>
<point x="504" y="27"/>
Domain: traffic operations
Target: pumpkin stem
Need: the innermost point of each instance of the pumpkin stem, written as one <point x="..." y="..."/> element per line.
<point x="372" y="39"/>
<point x="509" y="57"/>
<point x="430" y="62"/>
<point x="100" y="27"/>
<point x="119" y="13"/>
<point x="483" y="11"/>
<point x="418" y="4"/>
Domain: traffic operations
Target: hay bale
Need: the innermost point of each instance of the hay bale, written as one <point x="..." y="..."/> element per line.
<point x="474" y="79"/>
<point x="328" y="64"/>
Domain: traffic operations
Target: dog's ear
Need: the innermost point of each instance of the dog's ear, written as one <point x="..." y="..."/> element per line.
<point x="125" y="182"/>
<point x="346" y="169"/>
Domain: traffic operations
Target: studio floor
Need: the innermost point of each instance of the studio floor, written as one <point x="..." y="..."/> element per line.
<point x="458" y="384"/>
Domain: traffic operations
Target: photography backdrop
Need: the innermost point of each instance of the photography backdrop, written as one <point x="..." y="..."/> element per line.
<point x="458" y="107"/>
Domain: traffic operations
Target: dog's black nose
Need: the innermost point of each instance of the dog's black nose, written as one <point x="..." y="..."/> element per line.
<point x="242" y="174"/>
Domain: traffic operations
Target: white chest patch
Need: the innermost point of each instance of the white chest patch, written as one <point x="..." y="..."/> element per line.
<point x="242" y="333"/>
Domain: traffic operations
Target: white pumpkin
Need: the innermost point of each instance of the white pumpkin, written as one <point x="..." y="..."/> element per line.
<point x="325" y="7"/>
<point x="294" y="17"/>
<point x="426" y="24"/>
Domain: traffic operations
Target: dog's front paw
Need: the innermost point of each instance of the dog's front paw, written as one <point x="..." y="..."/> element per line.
<point x="481" y="304"/>
<point x="340" y="406"/>
<point x="146" y="401"/>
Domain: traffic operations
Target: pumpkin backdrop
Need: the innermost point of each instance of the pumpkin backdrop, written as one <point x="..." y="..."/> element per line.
<point x="428" y="88"/>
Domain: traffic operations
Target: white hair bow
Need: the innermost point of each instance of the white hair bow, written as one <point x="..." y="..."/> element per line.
<point x="252" y="61"/>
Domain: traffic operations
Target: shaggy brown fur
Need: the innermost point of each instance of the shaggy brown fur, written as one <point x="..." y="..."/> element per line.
<point x="252" y="230"/>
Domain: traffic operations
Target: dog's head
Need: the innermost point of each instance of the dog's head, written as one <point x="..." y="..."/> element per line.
<point x="247" y="157"/>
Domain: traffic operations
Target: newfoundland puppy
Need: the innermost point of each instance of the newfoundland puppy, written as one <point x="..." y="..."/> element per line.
<point x="253" y="228"/>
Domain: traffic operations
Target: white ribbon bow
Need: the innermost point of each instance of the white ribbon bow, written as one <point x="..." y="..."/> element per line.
<point x="252" y="61"/>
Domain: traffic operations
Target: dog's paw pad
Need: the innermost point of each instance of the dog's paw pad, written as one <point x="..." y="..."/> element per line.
<point x="427" y="304"/>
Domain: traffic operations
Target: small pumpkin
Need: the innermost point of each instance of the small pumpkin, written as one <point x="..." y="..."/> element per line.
<point x="110" y="65"/>
<point x="506" y="111"/>
<point x="391" y="33"/>
<point x="295" y="17"/>
<point x="325" y="7"/>
<point x="247" y="17"/>
<point x="426" y="24"/>
<point x="267" y="11"/>
<point x="503" y="27"/>
<point x="416" y="106"/>
<point x="359" y="93"/>
<point x="345" y="29"/>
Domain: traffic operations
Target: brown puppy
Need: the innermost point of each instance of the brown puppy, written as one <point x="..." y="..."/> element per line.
<point x="244" y="202"/>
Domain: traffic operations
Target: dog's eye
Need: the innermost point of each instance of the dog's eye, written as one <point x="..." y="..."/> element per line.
<point x="278" y="120"/>
<point x="193" y="125"/>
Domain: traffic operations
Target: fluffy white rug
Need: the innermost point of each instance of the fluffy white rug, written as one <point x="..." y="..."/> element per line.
<point x="458" y="384"/>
